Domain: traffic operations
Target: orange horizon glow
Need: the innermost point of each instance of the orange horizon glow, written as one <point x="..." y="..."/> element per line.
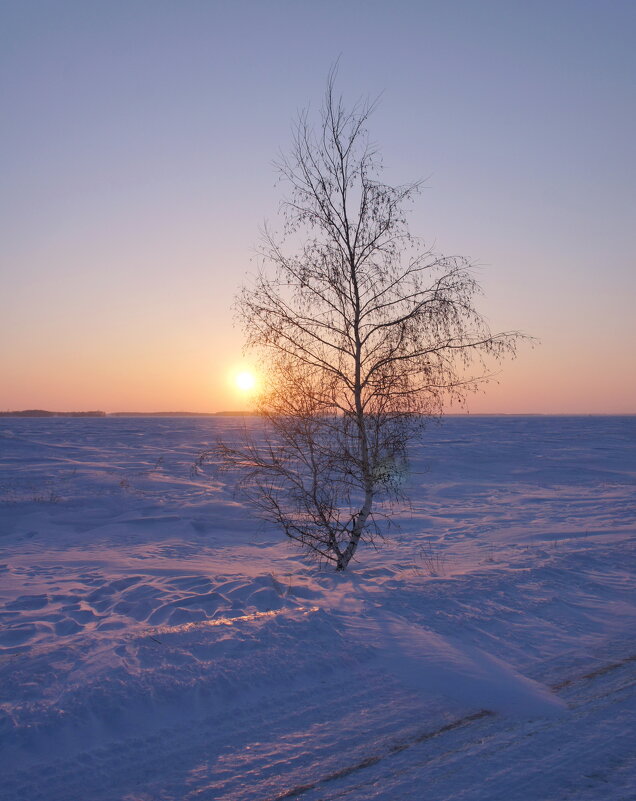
<point x="535" y="392"/>
<point x="139" y="380"/>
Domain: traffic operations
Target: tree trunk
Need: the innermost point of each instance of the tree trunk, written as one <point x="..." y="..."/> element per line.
<point x="356" y="532"/>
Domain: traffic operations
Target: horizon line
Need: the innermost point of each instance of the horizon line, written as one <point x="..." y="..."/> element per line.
<point x="43" y="413"/>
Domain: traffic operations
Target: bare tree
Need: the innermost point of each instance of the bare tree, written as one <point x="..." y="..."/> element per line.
<point x="363" y="334"/>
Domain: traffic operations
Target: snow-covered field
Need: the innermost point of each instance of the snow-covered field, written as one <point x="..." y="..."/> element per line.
<point x="158" y="643"/>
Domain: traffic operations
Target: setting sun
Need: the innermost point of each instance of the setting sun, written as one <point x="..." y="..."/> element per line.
<point x="245" y="381"/>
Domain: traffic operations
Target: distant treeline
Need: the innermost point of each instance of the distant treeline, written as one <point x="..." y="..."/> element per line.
<point x="179" y="414"/>
<point x="44" y="413"/>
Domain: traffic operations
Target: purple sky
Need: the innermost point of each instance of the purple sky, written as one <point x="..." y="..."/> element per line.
<point x="137" y="147"/>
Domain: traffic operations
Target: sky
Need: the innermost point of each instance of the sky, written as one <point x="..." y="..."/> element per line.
<point x="137" y="151"/>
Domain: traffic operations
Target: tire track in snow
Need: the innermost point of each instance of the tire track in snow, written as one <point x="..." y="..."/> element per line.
<point x="468" y="720"/>
<point x="601" y="671"/>
<point x="397" y="748"/>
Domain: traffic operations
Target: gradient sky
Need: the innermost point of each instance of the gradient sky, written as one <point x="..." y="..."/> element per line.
<point x="136" y="157"/>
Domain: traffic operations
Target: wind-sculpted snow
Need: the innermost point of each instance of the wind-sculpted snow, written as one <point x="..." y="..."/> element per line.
<point x="158" y="642"/>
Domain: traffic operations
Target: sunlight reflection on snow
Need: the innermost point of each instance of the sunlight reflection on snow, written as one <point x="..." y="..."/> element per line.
<point x="229" y="621"/>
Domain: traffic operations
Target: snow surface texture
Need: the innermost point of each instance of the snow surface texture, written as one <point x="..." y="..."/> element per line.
<point x="157" y="643"/>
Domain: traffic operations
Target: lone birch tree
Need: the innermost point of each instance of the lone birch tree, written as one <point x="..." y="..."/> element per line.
<point x="362" y="333"/>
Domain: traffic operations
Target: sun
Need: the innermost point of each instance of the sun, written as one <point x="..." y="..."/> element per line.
<point x="245" y="381"/>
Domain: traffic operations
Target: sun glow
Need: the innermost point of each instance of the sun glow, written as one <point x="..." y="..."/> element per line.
<point x="245" y="381"/>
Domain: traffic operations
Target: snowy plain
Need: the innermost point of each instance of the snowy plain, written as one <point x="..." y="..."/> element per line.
<point x="158" y="644"/>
